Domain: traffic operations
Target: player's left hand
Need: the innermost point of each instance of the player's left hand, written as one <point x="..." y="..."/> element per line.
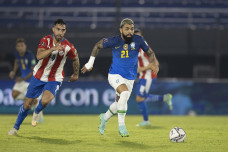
<point x="73" y="78"/>
<point x="155" y="68"/>
<point x="19" y="79"/>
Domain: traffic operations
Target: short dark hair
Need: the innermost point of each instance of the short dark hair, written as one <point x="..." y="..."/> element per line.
<point x="59" y="21"/>
<point x="20" y="40"/>
<point x="126" y="21"/>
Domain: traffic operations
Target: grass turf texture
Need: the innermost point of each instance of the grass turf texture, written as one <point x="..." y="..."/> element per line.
<point x="69" y="133"/>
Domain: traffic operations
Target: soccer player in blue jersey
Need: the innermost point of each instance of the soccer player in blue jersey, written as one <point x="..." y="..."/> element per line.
<point x="123" y="71"/>
<point x="146" y="79"/>
<point x="25" y="61"/>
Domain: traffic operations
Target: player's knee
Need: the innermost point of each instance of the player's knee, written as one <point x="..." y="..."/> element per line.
<point x="125" y="94"/>
<point x="117" y="98"/>
<point x="46" y="100"/>
<point x="14" y="95"/>
<point x="28" y="103"/>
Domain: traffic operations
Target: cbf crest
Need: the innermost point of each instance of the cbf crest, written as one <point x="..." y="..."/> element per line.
<point x="125" y="46"/>
<point x="132" y="45"/>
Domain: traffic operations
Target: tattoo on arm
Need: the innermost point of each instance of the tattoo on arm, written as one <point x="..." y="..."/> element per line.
<point x="97" y="47"/>
<point x="76" y="65"/>
<point x="151" y="55"/>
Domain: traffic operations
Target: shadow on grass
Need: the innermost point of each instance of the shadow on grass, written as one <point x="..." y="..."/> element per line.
<point x="51" y="140"/>
<point x="136" y="145"/>
<point x="133" y="145"/>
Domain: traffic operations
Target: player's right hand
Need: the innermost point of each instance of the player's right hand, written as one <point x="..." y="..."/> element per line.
<point x="84" y="70"/>
<point x="73" y="78"/>
<point x="12" y="74"/>
<point x="58" y="47"/>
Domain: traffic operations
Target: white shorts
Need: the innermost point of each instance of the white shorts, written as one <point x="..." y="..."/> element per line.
<point x="116" y="80"/>
<point x="21" y="86"/>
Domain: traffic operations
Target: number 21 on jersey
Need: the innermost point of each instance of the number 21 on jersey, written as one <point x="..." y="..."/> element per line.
<point x="124" y="54"/>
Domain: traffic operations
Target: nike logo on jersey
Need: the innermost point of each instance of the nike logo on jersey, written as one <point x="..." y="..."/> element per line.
<point x="117" y="47"/>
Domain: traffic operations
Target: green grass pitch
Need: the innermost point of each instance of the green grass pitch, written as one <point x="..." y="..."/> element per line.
<point x="72" y="133"/>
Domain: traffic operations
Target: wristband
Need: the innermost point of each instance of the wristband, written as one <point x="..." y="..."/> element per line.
<point x="89" y="64"/>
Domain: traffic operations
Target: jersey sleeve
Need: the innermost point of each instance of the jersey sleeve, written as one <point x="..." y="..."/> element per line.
<point x="144" y="45"/>
<point x="43" y="43"/>
<point x="72" y="53"/>
<point x="108" y="42"/>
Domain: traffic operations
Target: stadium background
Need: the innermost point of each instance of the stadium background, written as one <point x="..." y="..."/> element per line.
<point x="189" y="38"/>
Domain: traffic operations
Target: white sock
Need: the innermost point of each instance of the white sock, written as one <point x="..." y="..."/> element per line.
<point x="122" y="107"/>
<point x="111" y="111"/>
<point x="121" y="119"/>
<point x="121" y="116"/>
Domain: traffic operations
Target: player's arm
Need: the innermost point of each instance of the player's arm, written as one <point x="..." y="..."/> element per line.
<point x="15" y="67"/>
<point x="76" y="66"/>
<point x="145" y="68"/>
<point x="89" y="65"/>
<point x="153" y="60"/>
<point x="43" y="53"/>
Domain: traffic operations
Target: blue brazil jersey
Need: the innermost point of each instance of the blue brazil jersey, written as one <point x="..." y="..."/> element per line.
<point x="25" y="63"/>
<point x="125" y="56"/>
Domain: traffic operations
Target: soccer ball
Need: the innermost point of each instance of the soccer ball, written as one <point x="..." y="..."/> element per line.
<point x="177" y="134"/>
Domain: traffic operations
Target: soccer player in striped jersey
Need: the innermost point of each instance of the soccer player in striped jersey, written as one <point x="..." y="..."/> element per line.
<point x="143" y="88"/>
<point x="48" y="74"/>
<point x="123" y="71"/>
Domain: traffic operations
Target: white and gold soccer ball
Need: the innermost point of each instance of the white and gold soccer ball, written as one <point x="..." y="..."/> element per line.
<point x="177" y="134"/>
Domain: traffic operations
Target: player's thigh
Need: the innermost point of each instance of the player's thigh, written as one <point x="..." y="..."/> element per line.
<point x="129" y="84"/>
<point x="115" y="80"/>
<point x="49" y="91"/>
<point x="119" y="83"/>
<point x="47" y="97"/>
<point x="35" y="88"/>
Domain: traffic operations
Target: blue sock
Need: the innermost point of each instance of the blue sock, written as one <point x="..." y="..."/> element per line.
<point x="154" y="98"/>
<point x="21" y="116"/>
<point x="39" y="108"/>
<point x="143" y="109"/>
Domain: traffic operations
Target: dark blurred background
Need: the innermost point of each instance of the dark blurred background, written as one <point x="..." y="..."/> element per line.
<point x="189" y="37"/>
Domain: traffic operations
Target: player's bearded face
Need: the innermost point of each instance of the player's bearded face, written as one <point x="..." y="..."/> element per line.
<point x="59" y="32"/>
<point x="127" y="32"/>
<point x="128" y="38"/>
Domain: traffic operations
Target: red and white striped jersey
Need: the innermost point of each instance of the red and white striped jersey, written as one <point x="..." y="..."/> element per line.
<point x="51" y="67"/>
<point x="143" y="60"/>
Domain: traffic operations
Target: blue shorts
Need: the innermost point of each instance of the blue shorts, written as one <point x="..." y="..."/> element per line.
<point x="36" y="87"/>
<point x="144" y="87"/>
